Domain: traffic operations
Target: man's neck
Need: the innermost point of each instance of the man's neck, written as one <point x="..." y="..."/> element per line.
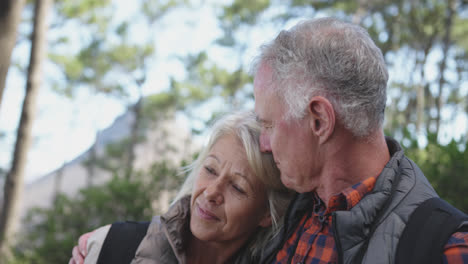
<point x="351" y="161"/>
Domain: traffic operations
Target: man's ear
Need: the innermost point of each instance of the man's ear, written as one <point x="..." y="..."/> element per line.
<point x="323" y="118"/>
<point x="266" y="220"/>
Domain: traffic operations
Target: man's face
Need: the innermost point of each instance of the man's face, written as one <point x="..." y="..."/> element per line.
<point x="292" y="143"/>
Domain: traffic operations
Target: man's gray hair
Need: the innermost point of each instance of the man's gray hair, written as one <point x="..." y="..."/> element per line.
<point x="334" y="59"/>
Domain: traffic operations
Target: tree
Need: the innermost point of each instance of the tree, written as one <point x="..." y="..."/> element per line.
<point x="207" y="81"/>
<point x="50" y="234"/>
<point x="408" y="33"/>
<point x="110" y="51"/>
<point x="445" y="166"/>
<point x="14" y="180"/>
<point x="10" y="14"/>
<point x="411" y="35"/>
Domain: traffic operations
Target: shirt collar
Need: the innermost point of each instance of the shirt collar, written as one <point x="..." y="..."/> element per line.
<point x="350" y="196"/>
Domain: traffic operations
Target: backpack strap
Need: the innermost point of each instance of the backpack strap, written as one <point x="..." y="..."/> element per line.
<point x="428" y="230"/>
<point x="122" y="241"/>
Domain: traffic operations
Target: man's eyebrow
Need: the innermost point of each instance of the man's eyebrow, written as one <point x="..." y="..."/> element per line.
<point x="260" y="120"/>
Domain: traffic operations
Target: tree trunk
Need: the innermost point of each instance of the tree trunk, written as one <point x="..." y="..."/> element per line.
<point x="137" y="110"/>
<point x="133" y="141"/>
<point x="91" y="163"/>
<point x="10" y="15"/>
<point x="420" y="98"/>
<point x="421" y="93"/>
<point x="58" y="182"/>
<point x="443" y="62"/>
<point x="14" y="180"/>
<point x="361" y="11"/>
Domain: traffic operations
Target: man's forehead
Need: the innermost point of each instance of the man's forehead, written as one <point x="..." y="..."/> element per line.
<point x="264" y="77"/>
<point x="261" y="106"/>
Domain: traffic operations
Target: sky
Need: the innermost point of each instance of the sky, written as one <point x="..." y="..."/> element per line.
<point x="65" y="127"/>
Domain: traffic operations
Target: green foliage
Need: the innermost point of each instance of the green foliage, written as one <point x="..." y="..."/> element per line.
<point x="85" y="10"/>
<point x="154" y="10"/>
<point x="237" y="14"/>
<point x="158" y="106"/>
<point x="97" y="62"/>
<point x="460" y="32"/>
<point x="207" y="81"/>
<point x="50" y="234"/>
<point x="165" y="178"/>
<point x="244" y="11"/>
<point x="109" y="62"/>
<point x="446" y="167"/>
<point x="103" y="48"/>
<point x="412" y="30"/>
<point x="117" y="154"/>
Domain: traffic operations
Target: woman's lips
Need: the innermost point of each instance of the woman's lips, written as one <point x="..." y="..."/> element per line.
<point x="205" y="214"/>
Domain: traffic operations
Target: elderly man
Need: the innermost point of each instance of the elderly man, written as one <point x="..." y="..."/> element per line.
<point x="320" y="94"/>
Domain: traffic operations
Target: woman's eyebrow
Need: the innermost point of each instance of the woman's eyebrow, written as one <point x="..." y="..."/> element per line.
<point x="213" y="156"/>
<point x="245" y="178"/>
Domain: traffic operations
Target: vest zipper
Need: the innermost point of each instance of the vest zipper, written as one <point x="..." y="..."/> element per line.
<point x="337" y="241"/>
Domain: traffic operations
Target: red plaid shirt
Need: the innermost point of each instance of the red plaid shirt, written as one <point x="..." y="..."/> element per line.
<point x="314" y="235"/>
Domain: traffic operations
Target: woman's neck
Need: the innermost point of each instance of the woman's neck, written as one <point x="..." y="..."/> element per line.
<point x="209" y="252"/>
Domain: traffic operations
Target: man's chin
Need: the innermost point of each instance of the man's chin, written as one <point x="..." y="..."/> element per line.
<point x="288" y="182"/>
<point x="293" y="184"/>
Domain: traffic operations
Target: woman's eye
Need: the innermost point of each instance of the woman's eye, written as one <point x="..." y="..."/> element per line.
<point x="238" y="189"/>
<point x="210" y="170"/>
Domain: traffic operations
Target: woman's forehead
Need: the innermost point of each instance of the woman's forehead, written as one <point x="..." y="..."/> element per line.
<point x="229" y="149"/>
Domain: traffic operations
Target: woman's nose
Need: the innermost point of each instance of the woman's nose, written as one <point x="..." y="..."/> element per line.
<point x="214" y="192"/>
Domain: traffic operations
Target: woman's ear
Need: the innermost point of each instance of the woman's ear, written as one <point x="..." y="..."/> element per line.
<point x="266" y="220"/>
<point x="322" y="122"/>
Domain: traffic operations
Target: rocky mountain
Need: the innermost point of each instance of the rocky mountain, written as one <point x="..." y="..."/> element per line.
<point x="164" y="140"/>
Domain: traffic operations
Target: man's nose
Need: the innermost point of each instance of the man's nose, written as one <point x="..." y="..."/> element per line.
<point x="265" y="143"/>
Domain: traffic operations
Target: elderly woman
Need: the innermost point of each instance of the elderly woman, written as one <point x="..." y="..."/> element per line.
<point x="227" y="210"/>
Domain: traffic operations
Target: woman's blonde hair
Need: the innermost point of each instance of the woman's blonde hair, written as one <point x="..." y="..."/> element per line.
<point x="244" y="126"/>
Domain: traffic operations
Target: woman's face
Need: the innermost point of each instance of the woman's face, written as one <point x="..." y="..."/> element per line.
<point x="228" y="201"/>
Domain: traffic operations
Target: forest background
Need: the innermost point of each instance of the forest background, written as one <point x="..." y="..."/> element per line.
<point x="129" y="56"/>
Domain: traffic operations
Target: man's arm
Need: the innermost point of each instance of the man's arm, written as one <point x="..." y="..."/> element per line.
<point x="456" y="249"/>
